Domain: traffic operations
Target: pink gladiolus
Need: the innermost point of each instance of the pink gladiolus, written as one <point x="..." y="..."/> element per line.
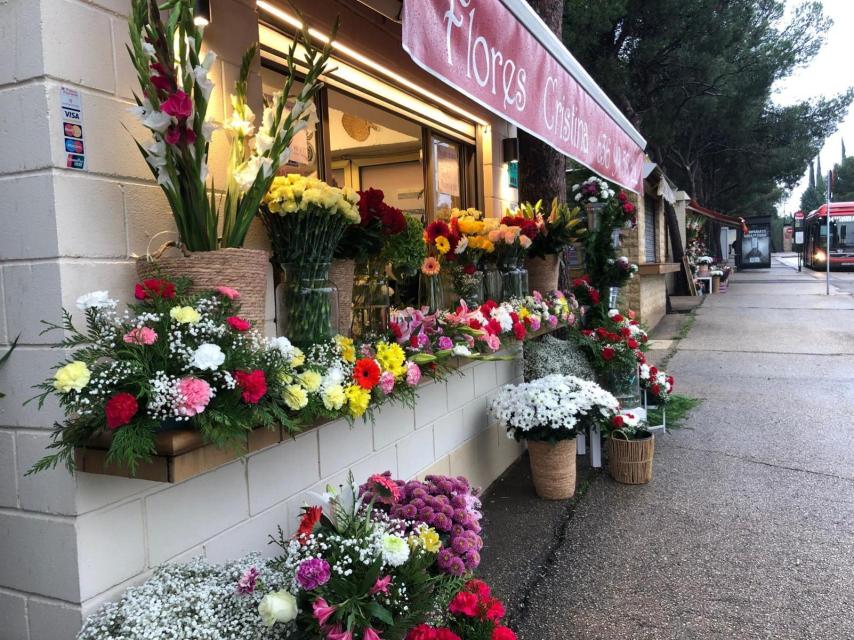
<point x="413" y="374"/>
<point x="228" y="292"/>
<point x="195" y="395"/>
<point x="178" y="105"/>
<point x="387" y="382"/>
<point x="322" y="611"/>
<point x="381" y="585"/>
<point x="141" y="335"/>
<point x="370" y="634"/>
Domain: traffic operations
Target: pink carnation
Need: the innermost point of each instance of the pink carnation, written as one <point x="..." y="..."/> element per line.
<point x="387" y="382"/>
<point x="413" y="374"/>
<point x="445" y="343"/>
<point x="492" y="341"/>
<point x="141" y="335"/>
<point x="553" y="321"/>
<point x="195" y="395"/>
<point x="535" y="323"/>
<point x="228" y="292"/>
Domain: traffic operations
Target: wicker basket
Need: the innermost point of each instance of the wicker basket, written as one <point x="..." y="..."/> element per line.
<point x="241" y="269"/>
<point x="342" y="274"/>
<point x="553" y="468"/>
<point x="630" y="461"/>
<point x="543" y="273"/>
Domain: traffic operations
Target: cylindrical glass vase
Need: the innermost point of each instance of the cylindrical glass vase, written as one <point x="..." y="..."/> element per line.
<point x="307" y="304"/>
<point x="624" y="385"/>
<point x="431" y="293"/>
<point x="493" y="284"/>
<point x="370" y="300"/>
<point x="468" y="285"/>
<point x="514" y="278"/>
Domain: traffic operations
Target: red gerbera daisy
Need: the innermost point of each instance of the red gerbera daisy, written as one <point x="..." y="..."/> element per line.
<point x="310" y="517"/>
<point x="366" y="373"/>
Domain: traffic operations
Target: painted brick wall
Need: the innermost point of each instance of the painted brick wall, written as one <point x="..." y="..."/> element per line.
<point x="71" y="543"/>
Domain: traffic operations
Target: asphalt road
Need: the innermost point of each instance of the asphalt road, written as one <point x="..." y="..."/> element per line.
<point x="747" y="529"/>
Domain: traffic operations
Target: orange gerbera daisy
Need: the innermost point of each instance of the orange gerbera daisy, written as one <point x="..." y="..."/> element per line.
<point x="430" y="267"/>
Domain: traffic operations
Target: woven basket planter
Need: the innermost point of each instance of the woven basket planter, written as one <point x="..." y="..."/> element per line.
<point x="553" y="468"/>
<point x="342" y="275"/>
<point x="241" y="269"/>
<point x="543" y="273"/>
<point x="630" y="461"/>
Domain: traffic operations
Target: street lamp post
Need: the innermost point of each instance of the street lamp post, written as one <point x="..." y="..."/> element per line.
<point x="829" y="235"/>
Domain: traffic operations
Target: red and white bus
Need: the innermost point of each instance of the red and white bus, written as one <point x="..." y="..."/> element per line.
<point x="841" y="236"/>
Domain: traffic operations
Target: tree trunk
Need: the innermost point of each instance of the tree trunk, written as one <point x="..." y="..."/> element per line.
<point x="678" y="248"/>
<point x="542" y="169"/>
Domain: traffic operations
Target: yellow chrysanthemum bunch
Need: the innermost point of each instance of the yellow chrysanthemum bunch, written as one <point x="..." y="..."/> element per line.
<point x="392" y="358"/>
<point x="294" y="193"/>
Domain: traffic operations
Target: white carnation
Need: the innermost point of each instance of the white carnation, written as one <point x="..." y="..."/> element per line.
<point x="208" y="357"/>
<point x="95" y="300"/>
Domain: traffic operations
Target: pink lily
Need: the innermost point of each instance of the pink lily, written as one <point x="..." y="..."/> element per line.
<point x="322" y="611"/>
<point x="338" y="633"/>
<point x="381" y="585"/>
<point x="370" y="634"/>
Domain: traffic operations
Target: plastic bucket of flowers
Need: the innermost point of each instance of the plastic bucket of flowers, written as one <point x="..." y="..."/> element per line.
<point x="630" y="450"/>
<point x="548" y="413"/>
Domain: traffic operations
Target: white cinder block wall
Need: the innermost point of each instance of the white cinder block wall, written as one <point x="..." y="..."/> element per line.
<point x="67" y="544"/>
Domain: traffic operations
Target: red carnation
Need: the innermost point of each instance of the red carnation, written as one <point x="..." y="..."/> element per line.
<point x="503" y="633"/>
<point x="519" y="330"/>
<point x="656" y="390"/>
<point x="641" y="357"/>
<point x="493" y="327"/>
<point x="366" y="373"/>
<point x="618" y="422"/>
<point x="479" y="587"/>
<point x="443" y="633"/>
<point x="608" y="353"/>
<point x="514" y="316"/>
<point x="602" y="332"/>
<point x="413" y="341"/>
<point x="494" y="609"/>
<point x="487" y="307"/>
<point x="465" y="604"/>
<point x="632" y="343"/>
<point x="253" y="384"/>
<point x="238" y="324"/>
<point x="120" y="409"/>
<point x="475" y="324"/>
<point x="154" y="287"/>
<point x="310" y="517"/>
<point x="421" y="632"/>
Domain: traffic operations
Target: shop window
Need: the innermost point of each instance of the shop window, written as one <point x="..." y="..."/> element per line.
<point x="650" y="230"/>
<point x="306" y="147"/>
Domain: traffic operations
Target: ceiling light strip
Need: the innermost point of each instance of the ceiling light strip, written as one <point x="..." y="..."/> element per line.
<point x="368" y="62"/>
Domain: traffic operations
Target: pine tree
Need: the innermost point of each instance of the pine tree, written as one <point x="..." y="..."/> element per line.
<point x="819" y="180"/>
<point x="812" y="175"/>
<point x="843" y="149"/>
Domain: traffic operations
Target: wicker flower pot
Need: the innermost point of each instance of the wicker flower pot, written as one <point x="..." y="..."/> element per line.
<point x="342" y="275"/>
<point x="241" y="269"/>
<point x="630" y="461"/>
<point x="553" y="468"/>
<point x="716" y="284"/>
<point x="543" y="273"/>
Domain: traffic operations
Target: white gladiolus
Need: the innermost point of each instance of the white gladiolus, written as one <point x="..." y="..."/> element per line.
<point x="157" y="121"/>
<point x="247" y="172"/>
<point x="95" y="300"/>
<point x="206" y="85"/>
<point x="208" y="127"/>
<point x="284" y="157"/>
<point x="148" y="49"/>
<point x="263" y="143"/>
<point x="208" y="357"/>
<point x="461" y="350"/>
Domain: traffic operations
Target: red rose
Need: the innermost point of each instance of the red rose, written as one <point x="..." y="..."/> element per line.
<point x="628" y="208"/>
<point x="469" y="269"/>
<point x="653" y="371"/>
<point x="617" y="318"/>
<point x="120" y="409"/>
<point x="310" y="517"/>
<point x="366" y="373"/>
<point x="632" y="343"/>
<point x="625" y="332"/>
<point x="594" y="296"/>
<point x="587" y="332"/>
<point x="413" y="341"/>
<point x="641" y="357"/>
<point x="655" y="389"/>
<point x="601" y="332"/>
<point x="393" y="220"/>
<point x="644" y="338"/>
<point x="503" y="633"/>
<point x="617" y="421"/>
<point x="608" y="353"/>
<point x="464" y="604"/>
<point x="238" y="324"/>
<point x="253" y="384"/>
<point x="622" y="197"/>
<point x="154" y="286"/>
<point x="519" y="331"/>
<point x="670" y="381"/>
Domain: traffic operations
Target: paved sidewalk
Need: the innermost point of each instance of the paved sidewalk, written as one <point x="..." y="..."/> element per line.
<point x="747" y="530"/>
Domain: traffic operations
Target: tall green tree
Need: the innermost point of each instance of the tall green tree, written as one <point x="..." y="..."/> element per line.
<point x="843" y="189"/>
<point x="696" y="77"/>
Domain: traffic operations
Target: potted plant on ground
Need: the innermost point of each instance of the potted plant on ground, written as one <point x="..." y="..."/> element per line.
<point x="175" y="89"/>
<point x="562" y="228"/>
<point x="630" y="449"/>
<point x="548" y="413"/>
<point x="704" y="265"/>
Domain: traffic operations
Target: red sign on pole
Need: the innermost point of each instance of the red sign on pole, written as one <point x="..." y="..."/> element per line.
<point x="480" y="48"/>
<point x="799" y="215"/>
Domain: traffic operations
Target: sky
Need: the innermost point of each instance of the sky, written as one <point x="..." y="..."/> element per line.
<point x="831" y="72"/>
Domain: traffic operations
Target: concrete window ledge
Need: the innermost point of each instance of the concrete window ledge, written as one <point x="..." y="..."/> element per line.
<point x="658" y="268"/>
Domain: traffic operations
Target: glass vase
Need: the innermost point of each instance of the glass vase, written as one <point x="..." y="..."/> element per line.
<point x="370" y="300"/>
<point x="624" y="385"/>
<point x="514" y="278"/>
<point x="468" y="285"/>
<point x="431" y="293"/>
<point x="307" y="304"/>
<point x="493" y="288"/>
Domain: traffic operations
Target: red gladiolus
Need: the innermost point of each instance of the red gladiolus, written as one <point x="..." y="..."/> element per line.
<point x="162" y="82"/>
<point x="238" y="324"/>
<point x="519" y="331"/>
<point x="503" y="633"/>
<point x="310" y="517"/>
<point x="178" y="105"/>
<point x="120" y="409"/>
<point x="154" y="287"/>
<point x="366" y="373"/>
<point x="464" y="604"/>
<point x="253" y="384"/>
<point x="608" y="353"/>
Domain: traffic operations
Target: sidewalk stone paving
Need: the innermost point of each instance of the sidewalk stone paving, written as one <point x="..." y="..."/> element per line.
<point x="747" y="529"/>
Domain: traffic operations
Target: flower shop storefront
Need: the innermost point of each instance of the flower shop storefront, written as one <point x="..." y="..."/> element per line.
<point x="409" y="395"/>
